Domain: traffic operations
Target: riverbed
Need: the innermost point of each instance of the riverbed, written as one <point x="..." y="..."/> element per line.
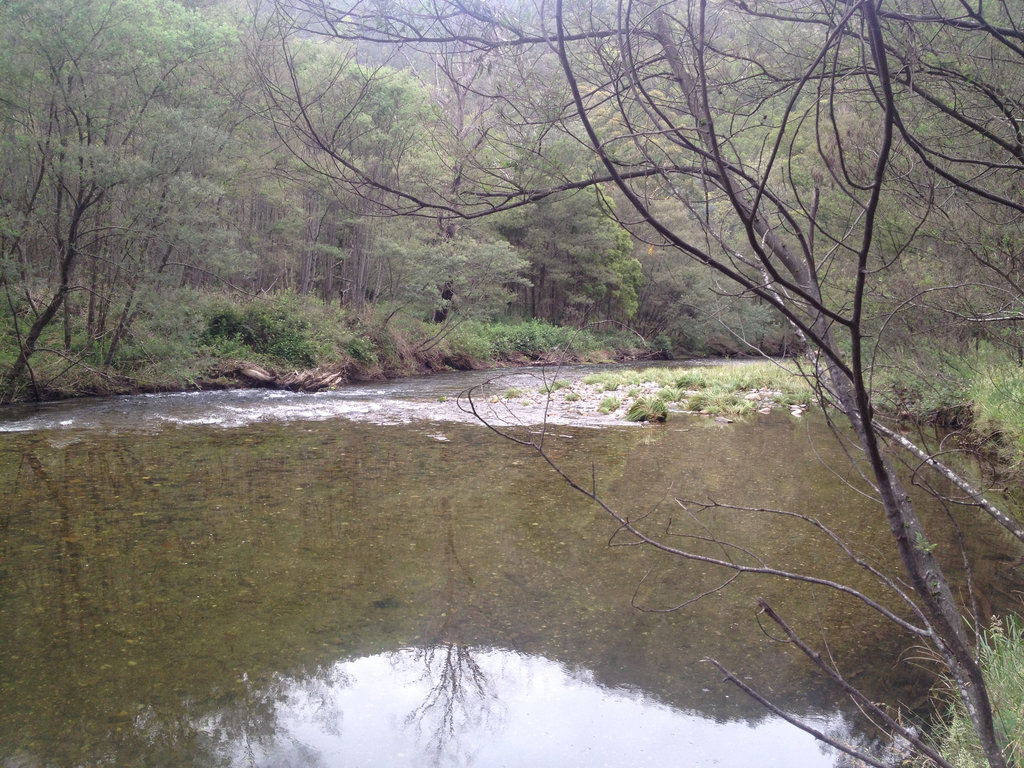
<point x="372" y="577"/>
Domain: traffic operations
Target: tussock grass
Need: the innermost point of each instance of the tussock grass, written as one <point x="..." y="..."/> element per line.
<point x="1002" y="663"/>
<point x="997" y="393"/>
<point x="718" y="390"/>
<point x="647" y="408"/>
<point x="671" y="394"/>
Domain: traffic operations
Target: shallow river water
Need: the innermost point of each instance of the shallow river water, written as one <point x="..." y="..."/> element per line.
<point x="371" y="578"/>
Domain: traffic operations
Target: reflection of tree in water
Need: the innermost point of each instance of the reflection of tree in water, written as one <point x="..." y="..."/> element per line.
<point x="460" y="697"/>
<point x="249" y="730"/>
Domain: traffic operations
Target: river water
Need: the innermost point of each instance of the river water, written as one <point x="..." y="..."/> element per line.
<point x="370" y="577"/>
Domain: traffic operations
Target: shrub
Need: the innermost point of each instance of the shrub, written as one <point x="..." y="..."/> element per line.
<point x="266" y="328"/>
<point x="362" y="350"/>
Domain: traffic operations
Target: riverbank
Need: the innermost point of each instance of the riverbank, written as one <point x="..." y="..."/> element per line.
<point x="307" y="353"/>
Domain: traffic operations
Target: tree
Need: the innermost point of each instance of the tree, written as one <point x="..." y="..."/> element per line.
<point x="103" y="147"/>
<point x="809" y="146"/>
<point x="581" y="264"/>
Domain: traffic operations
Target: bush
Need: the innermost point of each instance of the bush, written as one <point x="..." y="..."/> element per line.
<point x="266" y="328"/>
<point x="362" y="350"/>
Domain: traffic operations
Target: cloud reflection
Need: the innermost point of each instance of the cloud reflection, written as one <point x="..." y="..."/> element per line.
<point x="459" y="706"/>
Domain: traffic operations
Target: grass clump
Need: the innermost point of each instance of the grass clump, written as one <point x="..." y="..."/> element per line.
<point x="671" y="394"/>
<point x="606" y="381"/>
<point x="647" y="408"/>
<point x="721" y="403"/>
<point x="997" y="394"/>
<point x="720" y="390"/>
<point x="1002" y="663"/>
<point x="554" y="386"/>
<point x="609" y="405"/>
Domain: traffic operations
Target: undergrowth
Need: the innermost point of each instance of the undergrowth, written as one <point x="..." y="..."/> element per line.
<point x="1002" y="663"/>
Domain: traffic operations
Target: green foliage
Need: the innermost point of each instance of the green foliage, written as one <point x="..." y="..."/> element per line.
<point x="580" y="262"/>
<point x="361" y="350"/>
<point x="480" y="275"/>
<point x="1002" y="663"/>
<point x="997" y="394"/>
<point x="689" y="311"/>
<point x="535" y="338"/>
<point x="609" y="405"/>
<point x="718" y="390"/>
<point x="264" y="328"/>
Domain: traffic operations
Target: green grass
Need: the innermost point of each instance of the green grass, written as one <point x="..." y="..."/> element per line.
<point x="997" y="394"/>
<point x="554" y="386"/>
<point x="647" y="408"/>
<point x="671" y="394"/>
<point x="719" y="390"/>
<point x="981" y="389"/>
<point x="735" y="376"/>
<point x="609" y="405"/>
<point x="1002" y="662"/>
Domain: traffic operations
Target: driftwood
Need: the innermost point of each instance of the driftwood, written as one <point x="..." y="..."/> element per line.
<point x="312" y="380"/>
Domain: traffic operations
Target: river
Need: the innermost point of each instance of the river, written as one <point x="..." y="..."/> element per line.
<point x="370" y="577"/>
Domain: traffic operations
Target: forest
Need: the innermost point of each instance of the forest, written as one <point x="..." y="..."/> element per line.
<point x="161" y="200"/>
<point x="372" y="187"/>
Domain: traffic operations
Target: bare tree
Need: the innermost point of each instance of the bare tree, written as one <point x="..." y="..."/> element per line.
<point x="810" y="147"/>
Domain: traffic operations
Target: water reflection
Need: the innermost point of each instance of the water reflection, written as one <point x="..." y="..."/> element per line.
<point x="194" y="596"/>
<point x="458" y="705"/>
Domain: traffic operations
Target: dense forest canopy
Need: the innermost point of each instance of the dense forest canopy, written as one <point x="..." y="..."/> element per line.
<point x="841" y="178"/>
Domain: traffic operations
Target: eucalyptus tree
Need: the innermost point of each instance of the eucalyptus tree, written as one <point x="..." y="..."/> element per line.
<point x="367" y="123"/>
<point x="815" y="151"/>
<point x="581" y="265"/>
<point x="104" y="147"/>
